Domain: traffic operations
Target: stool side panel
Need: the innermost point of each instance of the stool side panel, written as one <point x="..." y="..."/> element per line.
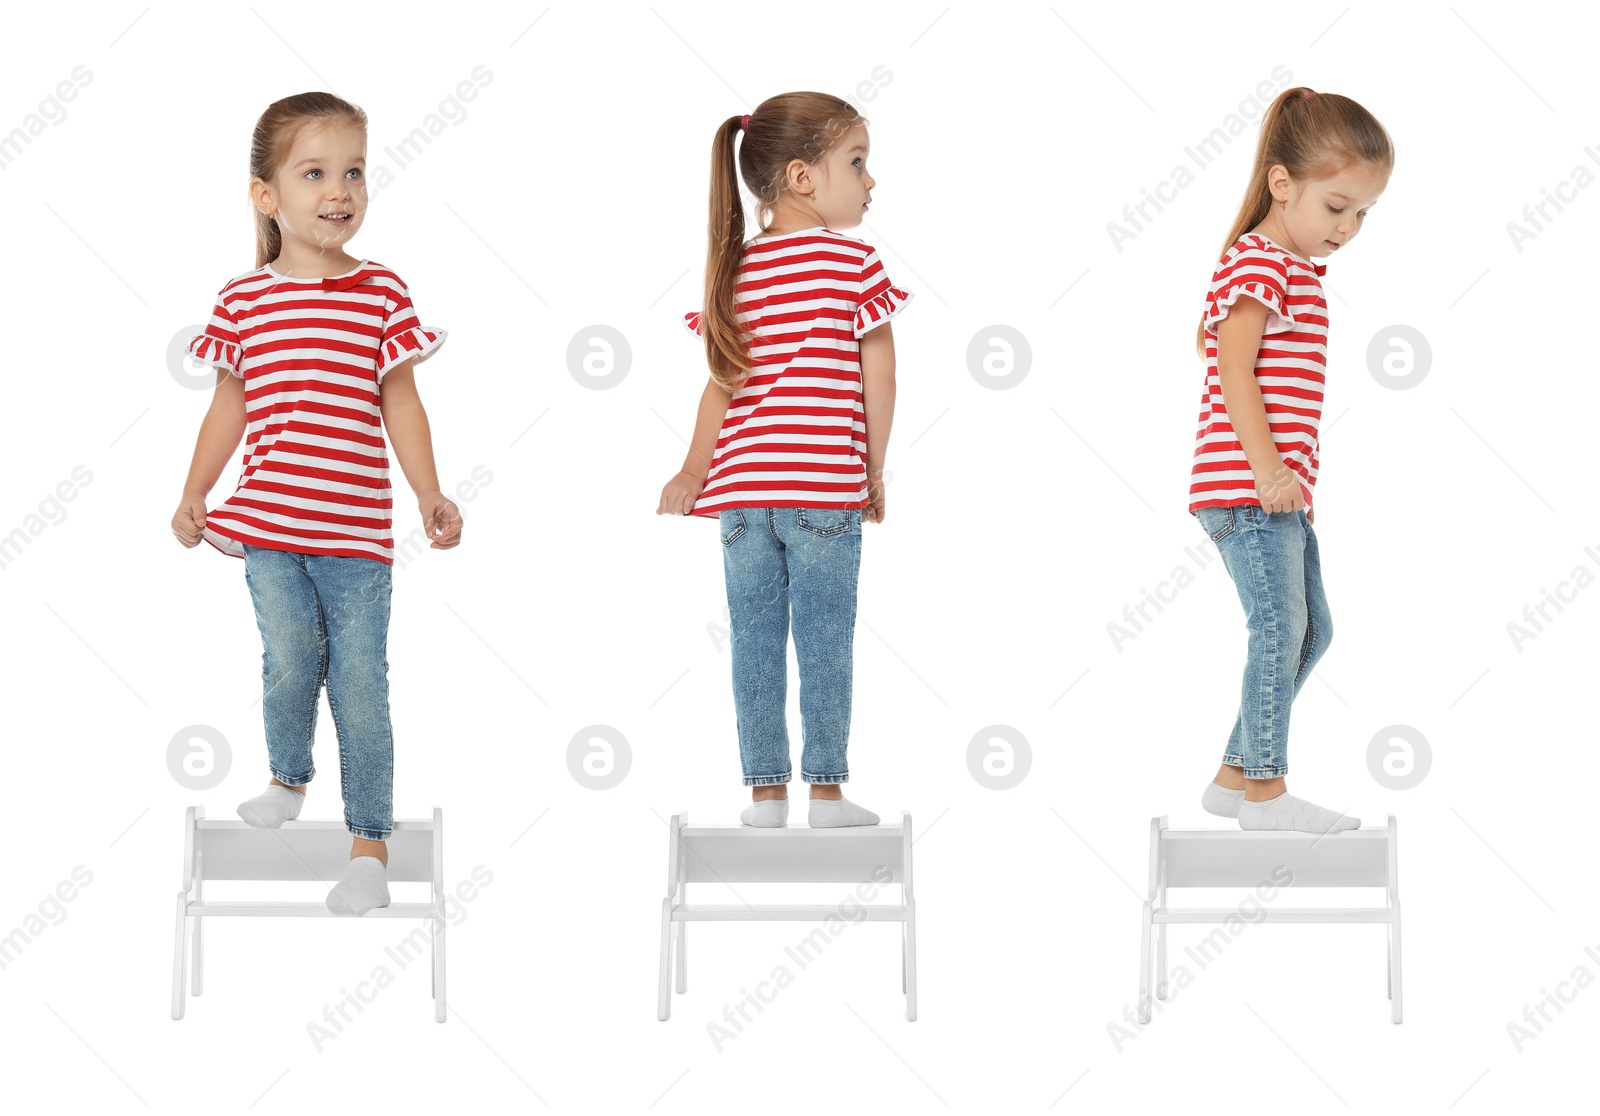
<point x="1246" y="863"/>
<point x="736" y="859"/>
<point x="289" y="853"/>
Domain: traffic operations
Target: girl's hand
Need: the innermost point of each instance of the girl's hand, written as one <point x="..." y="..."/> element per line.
<point x="441" y="520"/>
<point x="190" y="517"/>
<point x="1278" y="487"/>
<point x="679" y="494"/>
<point x="877" y="497"/>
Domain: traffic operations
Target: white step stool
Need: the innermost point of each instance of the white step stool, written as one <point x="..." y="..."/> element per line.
<point x="751" y="854"/>
<point x="1365" y="857"/>
<point x="300" y="850"/>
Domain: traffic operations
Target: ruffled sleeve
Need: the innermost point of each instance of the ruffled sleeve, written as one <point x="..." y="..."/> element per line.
<point x="691" y="322"/>
<point x="219" y="345"/>
<point x="404" y="337"/>
<point x="877" y="299"/>
<point x="1259" y="280"/>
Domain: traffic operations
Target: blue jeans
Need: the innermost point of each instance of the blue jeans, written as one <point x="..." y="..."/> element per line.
<point x="807" y="560"/>
<point x="1272" y="558"/>
<point x="325" y="619"/>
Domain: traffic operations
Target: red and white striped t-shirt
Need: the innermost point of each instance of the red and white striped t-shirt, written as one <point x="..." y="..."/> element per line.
<point x="1289" y="370"/>
<point x="312" y="353"/>
<point x="795" y="431"/>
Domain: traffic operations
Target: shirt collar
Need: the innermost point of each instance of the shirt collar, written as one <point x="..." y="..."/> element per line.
<point x="345" y="282"/>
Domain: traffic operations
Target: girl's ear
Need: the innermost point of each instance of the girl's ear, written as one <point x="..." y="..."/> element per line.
<point x="1278" y="182"/>
<point x="261" y="196"/>
<point x="798" y="176"/>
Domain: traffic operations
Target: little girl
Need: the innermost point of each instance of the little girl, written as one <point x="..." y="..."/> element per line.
<point x="1321" y="162"/>
<point x="314" y="351"/>
<point x="789" y="445"/>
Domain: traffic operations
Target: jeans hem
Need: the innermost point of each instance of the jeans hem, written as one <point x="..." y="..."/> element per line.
<point x="767" y="780"/>
<point x="825" y="778"/>
<point x="1266" y="772"/>
<point x="292" y="780"/>
<point x="369" y="834"/>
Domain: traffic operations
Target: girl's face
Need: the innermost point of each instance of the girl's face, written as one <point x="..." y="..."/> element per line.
<point x="846" y="185"/>
<point x="1325" y="214"/>
<point x="319" y="194"/>
<point x="835" y="191"/>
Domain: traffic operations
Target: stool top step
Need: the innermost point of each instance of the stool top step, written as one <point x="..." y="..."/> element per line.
<point x="789" y="854"/>
<point x="305" y="823"/>
<point x="1363" y="857"/>
<point x="795" y="832"/>
<point x="304" y="849"/>
<point x="1365" y="833"/>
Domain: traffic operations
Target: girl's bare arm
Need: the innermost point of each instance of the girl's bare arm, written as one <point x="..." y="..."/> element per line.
<point x="679" y="494"/>
<point x="1238" y="342"/>
<point x="708" y="421"/>
<point x="407" y="423"/>
<point x="877" y="393"/>
<point x="220" y="433"/>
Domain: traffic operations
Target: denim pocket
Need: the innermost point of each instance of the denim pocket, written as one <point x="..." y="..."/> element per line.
<point x="1217" y="523"/>
<point x="732" y="523"/>
<point x="823" y="521"/>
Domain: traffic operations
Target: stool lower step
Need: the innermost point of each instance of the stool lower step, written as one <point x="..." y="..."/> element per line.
<point x="1298" y="914"/>
<point x="257" y="909"/>
<point x="782" y="912"/>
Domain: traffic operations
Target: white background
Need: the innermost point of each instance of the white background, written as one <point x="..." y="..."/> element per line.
<point x="572" y="193"/>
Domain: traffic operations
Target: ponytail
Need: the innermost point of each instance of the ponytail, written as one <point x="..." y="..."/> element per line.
<point x="719" y="321"/>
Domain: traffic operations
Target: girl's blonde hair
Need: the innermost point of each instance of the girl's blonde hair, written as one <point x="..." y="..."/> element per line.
<point x="804" y="126"/>
<point x="1313" y="135"/>
<point x="270" y="143"/>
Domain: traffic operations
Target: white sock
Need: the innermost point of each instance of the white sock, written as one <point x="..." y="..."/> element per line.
<point x="826" y="812"/>
<point x="272" y="807"/>
<point x="364" y="886"/>
<point x="1221" y="801"/>
<point x="769" y="813"/>
<point x="1288" y="812"/>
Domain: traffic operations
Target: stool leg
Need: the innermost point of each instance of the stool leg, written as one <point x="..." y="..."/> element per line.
<point x="179" y="969"/>
<point x="1161" y="948"/>
<point x="438" y="971"/>
<point x="1144" y="963"/>
<point x="1388" y="961"/>
<point x="683" y="956"/>
<point x="1394" y="963"/>
<point x="199" y="940"/>
<point x="911" y="962"/>
<point x="664" y="991"/>
<point x="902" y="958"/>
